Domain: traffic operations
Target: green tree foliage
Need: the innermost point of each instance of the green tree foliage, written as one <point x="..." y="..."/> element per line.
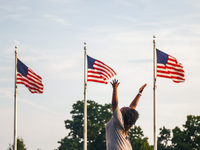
<point x="138" y="141"/>
<point x="20" y="145"/>
<point x="186" y="139"/>
<point x="189" y="137"/>
<point x="164" y="139"/>
<point x="97" y="116"/>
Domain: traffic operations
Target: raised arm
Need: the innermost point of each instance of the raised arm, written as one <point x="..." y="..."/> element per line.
<point x="136" y="100"/>
<point x="115" y="85"/>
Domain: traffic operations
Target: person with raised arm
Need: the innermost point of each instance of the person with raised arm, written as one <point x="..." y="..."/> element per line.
<point x="122" y="120"/>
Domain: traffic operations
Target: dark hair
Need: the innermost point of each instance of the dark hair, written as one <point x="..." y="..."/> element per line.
<point x="130" y="117"/>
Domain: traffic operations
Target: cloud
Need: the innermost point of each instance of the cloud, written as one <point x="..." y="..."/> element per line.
<point x="56" y="19"/>
<point x="17" y="42"/>
<point x="38" y="106"/>
<point x="141" y="61"/>
<point x="5" y="92"/>
<point x="125" y="3"/>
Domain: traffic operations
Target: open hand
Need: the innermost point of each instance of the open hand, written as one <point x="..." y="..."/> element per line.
<point x="115" y="83"/>
<point x="142" y="88"/>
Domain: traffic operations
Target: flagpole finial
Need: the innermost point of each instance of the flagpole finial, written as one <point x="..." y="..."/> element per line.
<point x="154" y="39"/>
<point x="16" y="47"/>
<point x="85" y="48"/>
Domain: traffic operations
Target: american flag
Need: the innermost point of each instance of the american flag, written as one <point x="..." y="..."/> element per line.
<point x="98" y="71"/>
<point x="169" y="67"/>
<point x="27" y="77"/>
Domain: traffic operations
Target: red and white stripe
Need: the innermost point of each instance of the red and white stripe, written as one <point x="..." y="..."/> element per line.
<point x="32" y="81"/>
<point x="172" y="70"/>
<point x="101" y="72"/>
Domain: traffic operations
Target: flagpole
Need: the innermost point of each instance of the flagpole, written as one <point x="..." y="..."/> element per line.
<point x="15" y="103"/>
<point x="154" y="95"/>
<point x="85" y="97"/>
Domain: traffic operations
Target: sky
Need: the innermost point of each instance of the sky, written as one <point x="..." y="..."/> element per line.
<point x="50" y="36"/>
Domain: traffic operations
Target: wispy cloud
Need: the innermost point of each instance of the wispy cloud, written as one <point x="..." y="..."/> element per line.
<point x="5" y="92"/>
<point x="8" y="93"/>
<point x="62" y="1"/>
<point x="125" y="2"/>
<point x="57" y="19"/>
<point x="37" y="106"/>
<point x="141" y="61"/>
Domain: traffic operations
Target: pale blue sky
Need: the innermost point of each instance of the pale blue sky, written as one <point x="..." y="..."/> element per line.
<point x="50" y="36"/>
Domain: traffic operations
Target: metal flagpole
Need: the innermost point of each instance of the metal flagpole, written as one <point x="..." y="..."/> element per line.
<point x="85" y="97"/>
<point x="154" y="95"/>
<point x="15" y="105"/>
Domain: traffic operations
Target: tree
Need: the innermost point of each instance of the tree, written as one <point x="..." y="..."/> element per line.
<point x="164" y="139"/>
<point x="137" y="139"/>
<point x="20" y="145"/>
<point x="186" y="139"/>
<point x="97" y="116"/>
<point x="189" y="138"/>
